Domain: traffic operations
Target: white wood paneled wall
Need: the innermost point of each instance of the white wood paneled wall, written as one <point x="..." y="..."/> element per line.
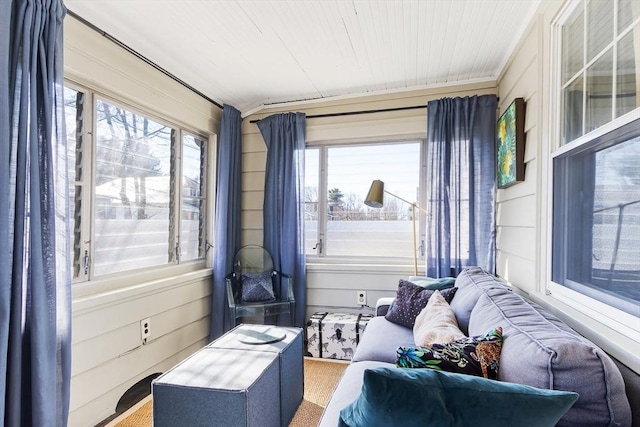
<point x="522" y="209"/>
<point x="331" y="286"/>
<point x="108" y="356"/>
<point x="523" y="220"/>
<point x="516" y="208"/>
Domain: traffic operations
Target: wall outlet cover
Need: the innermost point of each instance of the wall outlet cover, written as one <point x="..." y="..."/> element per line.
<point x="362" y="297"/>
<point x="145" y="329"/>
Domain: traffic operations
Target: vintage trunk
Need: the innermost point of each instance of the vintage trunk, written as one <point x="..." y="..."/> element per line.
<point x="335" y="335"/>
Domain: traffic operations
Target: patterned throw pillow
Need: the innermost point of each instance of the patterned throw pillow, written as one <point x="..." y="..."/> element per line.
<point x="479" y="355"/>
<point x="409" y="302"/>
<point x="257" y="287"/>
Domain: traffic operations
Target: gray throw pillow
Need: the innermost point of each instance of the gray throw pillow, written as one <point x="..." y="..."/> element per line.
<point x="257" y="287"/>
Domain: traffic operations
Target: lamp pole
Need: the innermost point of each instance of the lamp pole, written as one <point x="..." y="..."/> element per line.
<point x="414" y="206"/>
<point x="415" y="240"/>
<point x="375" y="200"/>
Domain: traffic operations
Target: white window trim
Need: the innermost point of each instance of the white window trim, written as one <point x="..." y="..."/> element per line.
<point x="181" y="134"/>
<point x="212" y="173"/>
<point x="87" y="284"/>
<point x="612" y="317"/>
<point x="622" y="322"/>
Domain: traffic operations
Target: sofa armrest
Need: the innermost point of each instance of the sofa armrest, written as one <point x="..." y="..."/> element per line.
<point x="382" y="305"/>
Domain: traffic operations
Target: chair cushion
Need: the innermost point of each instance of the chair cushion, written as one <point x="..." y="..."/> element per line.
<point x="257" y="287"/>
<point x="424" y="397"/>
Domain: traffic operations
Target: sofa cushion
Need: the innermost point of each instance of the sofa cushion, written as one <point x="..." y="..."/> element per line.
<point x="478" y="355"/>
<point x="470" y="283"/>
<point x="409" y="302"/>
<point x="423" y="397"/>
<point x="541" y="351"/>
<point x="380" y="341"/>
<point x="347" y="391"/>
<point x="436" y="323"/>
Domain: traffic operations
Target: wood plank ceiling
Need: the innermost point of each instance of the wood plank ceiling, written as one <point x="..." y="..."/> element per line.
<point x="251" y="53"/>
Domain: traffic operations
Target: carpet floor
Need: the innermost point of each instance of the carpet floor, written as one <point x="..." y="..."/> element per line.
<point x="320" y="379"/>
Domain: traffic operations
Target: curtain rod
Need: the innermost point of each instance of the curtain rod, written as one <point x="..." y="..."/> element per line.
<point x="141" y="57"/>
<point x="351" y="113"/>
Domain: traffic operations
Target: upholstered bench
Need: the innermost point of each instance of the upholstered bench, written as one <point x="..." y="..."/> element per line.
<point x="219" y="387"/>
<point x="290" y="359"/>
<point x="251" y="376"/>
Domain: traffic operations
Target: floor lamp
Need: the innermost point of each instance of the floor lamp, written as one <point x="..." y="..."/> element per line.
<point x="375" y="200"/>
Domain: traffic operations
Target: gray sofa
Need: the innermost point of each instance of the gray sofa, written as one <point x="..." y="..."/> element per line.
<point x="538" y="350"/>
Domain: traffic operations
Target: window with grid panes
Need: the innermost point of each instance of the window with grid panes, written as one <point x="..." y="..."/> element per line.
<point x="596" y="163"/>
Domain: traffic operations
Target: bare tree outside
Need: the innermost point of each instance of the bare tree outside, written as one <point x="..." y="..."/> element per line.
<point x="133" y="191"/>
<point x="125" y="153"/>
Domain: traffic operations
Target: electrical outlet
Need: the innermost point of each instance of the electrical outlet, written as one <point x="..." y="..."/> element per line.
<point x="145" y="329"/>
<point x="362" y="297"/>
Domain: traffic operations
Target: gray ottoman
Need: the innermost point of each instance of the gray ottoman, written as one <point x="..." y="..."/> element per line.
<point x="289" y="350"/>
<point x="219" y="387"/>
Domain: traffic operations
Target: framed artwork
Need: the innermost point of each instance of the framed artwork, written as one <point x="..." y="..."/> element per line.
<point x="510" y="144"/>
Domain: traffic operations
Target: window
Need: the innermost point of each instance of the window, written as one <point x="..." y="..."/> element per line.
<point x="337" y="179"/>
<point x="596" y="167"/>
<point x="194" y="204"/>
<point x="143" y="203"/>
<point x="74" y="106"/>
<point x="596" y="235"/>
<point x="600" y="65"/>
<point x="132" y="190"/>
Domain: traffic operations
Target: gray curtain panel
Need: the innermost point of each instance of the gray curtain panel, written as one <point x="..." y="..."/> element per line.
<point x="35" y="281"/>
<point x="228" y="210"/>
<point x="461" y="184"/>
<point x="284" y="135"/>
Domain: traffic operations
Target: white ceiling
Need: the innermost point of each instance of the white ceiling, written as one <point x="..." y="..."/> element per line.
<point x="251" y="53"/>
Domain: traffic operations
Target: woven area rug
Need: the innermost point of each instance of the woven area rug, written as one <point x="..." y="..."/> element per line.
<point x="320" y="379"/>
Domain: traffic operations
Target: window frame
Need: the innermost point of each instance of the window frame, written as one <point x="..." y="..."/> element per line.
<point x="617" y="319"/>
<point x="323" y="148"/>
<point x="88" y="209"/>
<point x="203" y="197"/>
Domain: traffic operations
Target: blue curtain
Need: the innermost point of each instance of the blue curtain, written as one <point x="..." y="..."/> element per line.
<point x="35" y="284"/>
<point x="461" y="184"/>
<point x="227" y="222"/>
<point x="284" y="135"/>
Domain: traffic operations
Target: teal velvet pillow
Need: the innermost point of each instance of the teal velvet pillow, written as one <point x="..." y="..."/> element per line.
<point x="433" y="283"/>
<point x="424" y="397"/>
